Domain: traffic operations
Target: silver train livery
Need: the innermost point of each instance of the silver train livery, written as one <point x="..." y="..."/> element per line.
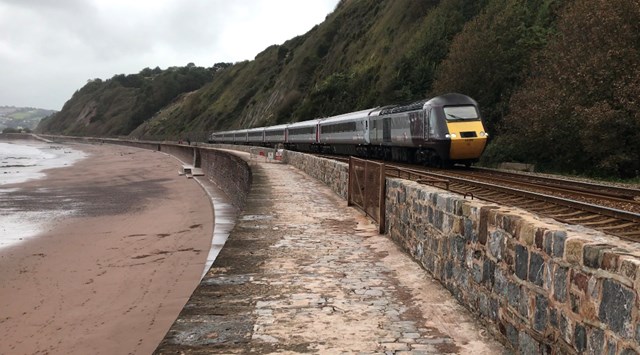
<point x="440" y="131"/>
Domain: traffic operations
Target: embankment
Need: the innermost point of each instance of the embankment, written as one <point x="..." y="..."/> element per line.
<point x="540" y="286"/>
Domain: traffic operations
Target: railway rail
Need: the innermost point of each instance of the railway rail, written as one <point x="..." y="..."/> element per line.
<point x="612" y="210"/>
<point x="565" y="208"/>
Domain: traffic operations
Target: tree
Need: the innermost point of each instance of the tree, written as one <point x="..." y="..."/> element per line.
<point x="488" y="59"/>
<point x="579" y="111"/>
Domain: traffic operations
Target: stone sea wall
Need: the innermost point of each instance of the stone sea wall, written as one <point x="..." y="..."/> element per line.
<point x="540" y="285"/>
<point x="230" y="172"/>
<point x="332" y="173"/>
<point x="184" y="153"/>
<point x="18" y="136"/>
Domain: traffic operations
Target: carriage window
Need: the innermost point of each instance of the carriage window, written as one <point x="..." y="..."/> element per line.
<point x="461" y="113"/>
<point x="339" y="127"/>
<point x="304" y="130"/>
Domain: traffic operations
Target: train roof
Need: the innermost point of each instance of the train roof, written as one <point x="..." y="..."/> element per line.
<point x="275" y="128"/>
<point x="451" y="99"/>
<point x="224" y="132"/>
<point x="304" y="123"/>
<point x="418" y="105"/>
<point x="351" y="116"/>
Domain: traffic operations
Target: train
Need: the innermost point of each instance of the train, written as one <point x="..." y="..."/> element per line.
<point x="439" y="131"/>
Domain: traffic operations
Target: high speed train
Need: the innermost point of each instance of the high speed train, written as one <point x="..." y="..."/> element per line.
<point x="440" y="131"/>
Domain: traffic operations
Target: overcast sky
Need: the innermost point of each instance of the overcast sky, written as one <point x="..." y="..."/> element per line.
<point x="50" y="48"/>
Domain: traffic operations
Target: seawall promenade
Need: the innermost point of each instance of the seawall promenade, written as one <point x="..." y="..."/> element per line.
<point x="303" y="273"/>
<point x="538" y="286"/>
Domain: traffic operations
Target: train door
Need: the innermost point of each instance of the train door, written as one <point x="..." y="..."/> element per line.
<point x="430" y="124"/>
<point x="386" y="130"/>
<point x="365" y="122"/>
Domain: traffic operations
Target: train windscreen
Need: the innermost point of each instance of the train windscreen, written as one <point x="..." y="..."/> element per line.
<point x="461" y="113"/>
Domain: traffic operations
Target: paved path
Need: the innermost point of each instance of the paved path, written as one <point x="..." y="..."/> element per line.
<point x="303" y="273"/>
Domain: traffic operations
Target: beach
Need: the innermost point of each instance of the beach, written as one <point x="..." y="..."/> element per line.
<point x="120" y="244"/>
<point x="23" y="160"/>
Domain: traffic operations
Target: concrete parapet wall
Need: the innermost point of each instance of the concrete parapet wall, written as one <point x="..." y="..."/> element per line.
<point x="19" y="136"/>
<point x="184" y="153"/>
<point x="541" y="286"/>
<point x="240" y="148"/>
<point x="231" y="173"/>
<point x="332" y="173"/>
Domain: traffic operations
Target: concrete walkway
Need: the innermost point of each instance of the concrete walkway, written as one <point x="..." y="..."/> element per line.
<point x="303" y="273"/>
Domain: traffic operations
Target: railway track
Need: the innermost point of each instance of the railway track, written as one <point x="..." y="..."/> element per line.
<point x="612" y="210"/>
<point x="588" y="205"/>
<point x="611" y="196"/>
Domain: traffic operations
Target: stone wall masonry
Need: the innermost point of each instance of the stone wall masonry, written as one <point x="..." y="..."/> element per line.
<point x="332" y="173"/>
<point x="541" y="286"/>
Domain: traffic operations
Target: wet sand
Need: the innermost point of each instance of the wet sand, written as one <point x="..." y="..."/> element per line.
<point x="111" y="278"/>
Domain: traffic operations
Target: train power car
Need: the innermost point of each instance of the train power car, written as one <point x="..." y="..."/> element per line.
<point x="440" y="131"/>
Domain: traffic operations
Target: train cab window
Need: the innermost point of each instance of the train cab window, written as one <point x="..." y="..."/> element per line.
<point x="461" y="113"/>
<point x="432" y="122"/>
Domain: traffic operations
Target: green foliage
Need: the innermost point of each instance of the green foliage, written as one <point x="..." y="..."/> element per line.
<point x="120" y="104"/>
<point x="557" y="80"/>
<point x="489" y="58"/>
<point x="26" y="118"/>
<point x="11" y="130"/>
<point x="416" y="68"/>
<point x="580" y="112"/>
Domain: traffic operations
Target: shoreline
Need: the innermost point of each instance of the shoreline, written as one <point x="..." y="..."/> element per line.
<point x="113" y="277"/>
<point x="23" y="160"/>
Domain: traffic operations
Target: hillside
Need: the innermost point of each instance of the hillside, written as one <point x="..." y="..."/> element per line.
<point x="557" y="80"/>
<point x="22" y="117"/>
<point x="116" y="106"/>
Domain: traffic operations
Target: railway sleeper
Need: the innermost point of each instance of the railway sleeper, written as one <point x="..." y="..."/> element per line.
<point x="601" y="222"/>
<point x="620" y="226"/>
<point x="581" y="220"/>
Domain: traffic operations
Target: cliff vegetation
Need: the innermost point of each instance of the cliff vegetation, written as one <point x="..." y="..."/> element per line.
<point x="558" y="80"/>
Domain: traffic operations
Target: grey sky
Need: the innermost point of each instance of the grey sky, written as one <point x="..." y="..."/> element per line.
<point x="50" y="48"/>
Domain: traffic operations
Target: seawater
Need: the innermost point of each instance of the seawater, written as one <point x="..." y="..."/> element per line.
<point x="21" y="161"/>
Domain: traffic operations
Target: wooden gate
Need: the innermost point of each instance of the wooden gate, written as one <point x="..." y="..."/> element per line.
<point x="367" y="189"/>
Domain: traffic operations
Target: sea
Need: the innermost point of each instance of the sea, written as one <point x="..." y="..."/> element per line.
<point x="21" y="161"/>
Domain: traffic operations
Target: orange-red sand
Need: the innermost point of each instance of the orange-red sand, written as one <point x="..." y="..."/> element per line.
<point x="112" y="279"/>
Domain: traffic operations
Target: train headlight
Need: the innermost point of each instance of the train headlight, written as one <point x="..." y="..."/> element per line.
<point x="452" y="135"/>
<point x="484" y="134"/>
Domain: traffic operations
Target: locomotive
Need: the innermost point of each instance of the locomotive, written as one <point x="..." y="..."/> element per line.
<point x="440" y="131"/>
